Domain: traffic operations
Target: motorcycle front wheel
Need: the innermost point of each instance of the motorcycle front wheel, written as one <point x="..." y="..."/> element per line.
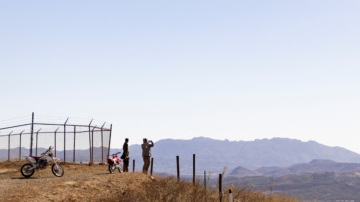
<point x="57" y="170"/>
<point x="111" y="168"/>
<point x="25" y="170"/>
<point x="120" y="168"/>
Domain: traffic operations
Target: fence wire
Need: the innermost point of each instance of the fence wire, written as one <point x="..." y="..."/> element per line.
<point x="73" y="142"/>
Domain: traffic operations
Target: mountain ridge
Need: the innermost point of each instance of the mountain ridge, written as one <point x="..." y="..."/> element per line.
<point x="214" y="154"/>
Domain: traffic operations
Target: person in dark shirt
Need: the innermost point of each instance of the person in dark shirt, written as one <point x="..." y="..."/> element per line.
<point x="125" y="155"/>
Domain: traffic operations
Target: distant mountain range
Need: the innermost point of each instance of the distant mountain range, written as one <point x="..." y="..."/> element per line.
<point x="315" y="166"/>
<point x="266" y="155"/>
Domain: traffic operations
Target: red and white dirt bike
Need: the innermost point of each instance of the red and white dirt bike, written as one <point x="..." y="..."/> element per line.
<point x="115" y="163"/>
<point x="40" y="162"/>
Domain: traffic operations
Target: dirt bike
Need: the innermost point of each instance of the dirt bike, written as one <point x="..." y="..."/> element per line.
<point x="40" y="162"/>
<point x="114" y="163"/>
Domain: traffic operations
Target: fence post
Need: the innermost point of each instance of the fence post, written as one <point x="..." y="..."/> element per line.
<point x="220" y="186"/>
<point x="230" y="196"/>
<point x="65" y="139"/>
<point x="37" y="134"/>
<point x="205" y="180"/>
<point x="20" y="146"/>
<point x="102" y="145"/>
<point x="92" y="144"/>
<point x="133" y="165"/>
<point x="109" y="139"/>
<point x="90" y="138"/>
<point x="74" y="143"/>
<point x="178" y="168"/>
<point x="9" y="146"/>
<point x="193" y="169"/>
<point x="152" y="163"/>
<point x="55" y="140"/>
<point x="31" y="135"/>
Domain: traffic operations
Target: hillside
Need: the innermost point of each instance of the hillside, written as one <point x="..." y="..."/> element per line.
<point x="214" y="154"/>
<point x="314" y="166"/>
<point x="82" y="182"/>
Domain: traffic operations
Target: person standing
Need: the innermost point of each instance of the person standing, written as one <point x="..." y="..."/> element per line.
<point x="146" y="153"/>
<point x="125" y="155"/>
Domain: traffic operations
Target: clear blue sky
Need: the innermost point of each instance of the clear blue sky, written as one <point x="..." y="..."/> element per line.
<point x="237" y="70"/>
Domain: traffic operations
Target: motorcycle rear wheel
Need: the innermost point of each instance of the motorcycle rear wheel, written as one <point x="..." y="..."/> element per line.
<point x="25" y="172"/>
<point x="57" y="171"/>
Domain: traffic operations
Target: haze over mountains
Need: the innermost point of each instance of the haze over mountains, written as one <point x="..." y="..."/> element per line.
<point x="215" y="154"/>
<point x="315" y="166"/>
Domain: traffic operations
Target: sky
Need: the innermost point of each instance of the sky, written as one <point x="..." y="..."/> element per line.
<point x="236" y="70"/>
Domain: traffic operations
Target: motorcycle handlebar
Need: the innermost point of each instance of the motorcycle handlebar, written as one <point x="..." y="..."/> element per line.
<point x="114" y="154"/>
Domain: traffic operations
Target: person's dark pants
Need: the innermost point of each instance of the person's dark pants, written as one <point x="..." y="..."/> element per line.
<point x="126" y="165"/>
<point x="146" y="164"/>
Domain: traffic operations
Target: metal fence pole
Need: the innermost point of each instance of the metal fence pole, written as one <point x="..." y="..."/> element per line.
<point x="31" y="134"/>
<point x="9" y="146"/>
<point x="37" y="134"/>
<point x="74" y="143"/>
<point x="92" y="144"/>
<point x="193" y="169"/>
<point x="102" y="144"/>
<point x="178" y="168"/>
<point x="152" y="163"/>
<point x="133" y="165"/>
<point x="109" y="139"/>
<point x="20" y="146"/>
<point x="220" y="187"/>
<point x="65" y="139"/>
<point x="55" y="139"/>
<point x="90" y="138"/>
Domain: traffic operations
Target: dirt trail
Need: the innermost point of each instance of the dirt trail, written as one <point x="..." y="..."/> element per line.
<point x="79" y="183"/>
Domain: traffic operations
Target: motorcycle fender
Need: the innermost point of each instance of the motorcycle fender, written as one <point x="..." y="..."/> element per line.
<point x="32" y="160"/>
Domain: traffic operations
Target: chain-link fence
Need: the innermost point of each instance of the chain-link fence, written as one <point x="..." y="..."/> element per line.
<point x="74" y="140"/>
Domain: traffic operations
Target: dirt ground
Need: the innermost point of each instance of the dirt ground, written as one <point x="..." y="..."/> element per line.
<point x="80" y="182"/>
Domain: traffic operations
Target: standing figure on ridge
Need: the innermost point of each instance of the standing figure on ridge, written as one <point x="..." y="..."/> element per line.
<point x="146" y="153"/>
<point x="125" y="155"/>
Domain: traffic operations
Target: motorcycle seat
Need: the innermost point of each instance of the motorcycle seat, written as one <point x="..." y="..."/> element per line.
<point x="35" y="157"/>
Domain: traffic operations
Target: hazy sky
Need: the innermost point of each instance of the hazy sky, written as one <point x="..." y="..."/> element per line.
<point x="237" y="70"/>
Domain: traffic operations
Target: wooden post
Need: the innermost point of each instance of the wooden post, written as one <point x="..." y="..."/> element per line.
<point x="151" y="169"/>
<point x="133" y="165"/>
<point x="178" y="168"/>
<point x="230" y="196"/>
<point x="205" y="180"/>
<point x="193" y="169"/>
<point x="220" y="186"/>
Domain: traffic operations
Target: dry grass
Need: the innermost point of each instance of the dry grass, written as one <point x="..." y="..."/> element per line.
<point x="94" y="183"/>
